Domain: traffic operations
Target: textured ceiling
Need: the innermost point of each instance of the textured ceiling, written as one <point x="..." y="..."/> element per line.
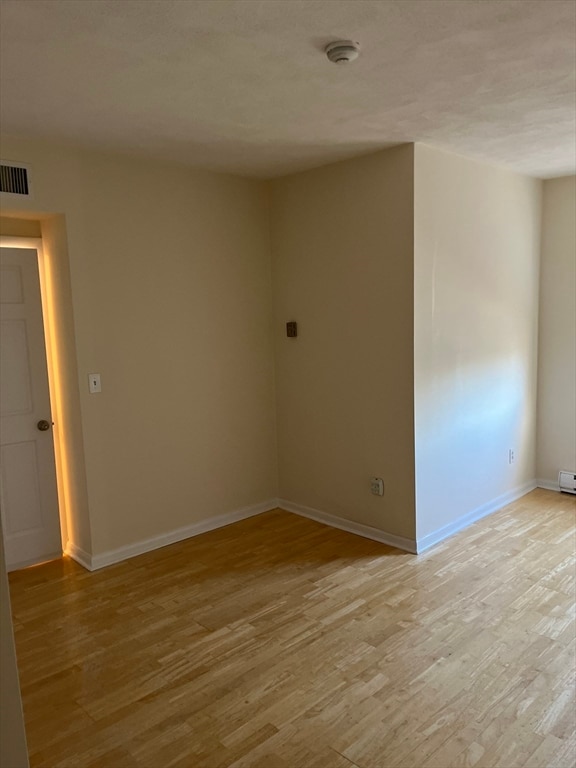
<point x="243" y="85"/>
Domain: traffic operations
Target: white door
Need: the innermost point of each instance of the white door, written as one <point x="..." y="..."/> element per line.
<point x="28" y="493"/>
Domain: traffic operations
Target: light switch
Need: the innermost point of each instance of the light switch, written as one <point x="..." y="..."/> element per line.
<point x="94" y="384"/>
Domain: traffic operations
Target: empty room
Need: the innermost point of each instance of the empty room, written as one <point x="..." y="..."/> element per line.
<point x="288" y="383"/>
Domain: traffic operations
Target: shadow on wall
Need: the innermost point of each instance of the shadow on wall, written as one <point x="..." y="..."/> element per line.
<point x="468" y="419"/>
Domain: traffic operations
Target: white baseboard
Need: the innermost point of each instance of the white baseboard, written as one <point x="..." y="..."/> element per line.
<point x="547" y="485"/>
<point x="476" y="514"/>
<point x="367" y="531"/>
<point x="81" y="557"/>
<point x="95" y="562"/>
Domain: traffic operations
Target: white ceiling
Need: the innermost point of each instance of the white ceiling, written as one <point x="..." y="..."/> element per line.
<point x="243" y="85"/>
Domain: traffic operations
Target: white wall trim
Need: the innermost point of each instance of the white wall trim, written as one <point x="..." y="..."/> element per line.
<point x="81" y="557"/>
<point x="95" y="562"/>
<point x="547" y="485"/>
<point x="476" y="514"/>
<point x="367" y="531"/>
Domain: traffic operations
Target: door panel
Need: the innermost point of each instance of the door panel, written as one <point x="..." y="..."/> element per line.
<point x="20" y="491"/>
<point x="28" y="493"/>
<point x="15" y="392"/>
<point x="11" y="285"/>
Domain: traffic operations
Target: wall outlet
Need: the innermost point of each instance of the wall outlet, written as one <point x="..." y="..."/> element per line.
<point x="511" y="456"/>
<point x="377" y="486"/>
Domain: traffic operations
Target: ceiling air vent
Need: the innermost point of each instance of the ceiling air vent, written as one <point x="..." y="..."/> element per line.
<point x="14" y="179"/>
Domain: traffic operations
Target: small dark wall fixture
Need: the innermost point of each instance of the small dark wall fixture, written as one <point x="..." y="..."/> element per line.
<point x="292" y="330"/>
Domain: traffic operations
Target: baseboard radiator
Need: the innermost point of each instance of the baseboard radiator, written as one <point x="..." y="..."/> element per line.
<point x="567" y="481"/>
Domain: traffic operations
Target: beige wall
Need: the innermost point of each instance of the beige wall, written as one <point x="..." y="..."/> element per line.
<point x="477" y="231"/>
<point x="13" y="752"/>
<point x="342" y="261"/>
<point x="171" y="304"/>
<point x="557" y="366"/>
<point x="409" y="299"/>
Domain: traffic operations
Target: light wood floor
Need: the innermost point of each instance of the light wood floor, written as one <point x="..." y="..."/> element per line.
<point x="281" y="643"/>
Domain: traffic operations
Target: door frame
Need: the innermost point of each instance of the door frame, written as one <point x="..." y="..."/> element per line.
<point x="51" y="344"/>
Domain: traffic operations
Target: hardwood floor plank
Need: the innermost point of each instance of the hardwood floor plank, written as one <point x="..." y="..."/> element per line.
<point x="280" y="643"/>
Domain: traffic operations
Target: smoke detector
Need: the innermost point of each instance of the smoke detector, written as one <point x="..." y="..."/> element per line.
<point x="342" y="51"/>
